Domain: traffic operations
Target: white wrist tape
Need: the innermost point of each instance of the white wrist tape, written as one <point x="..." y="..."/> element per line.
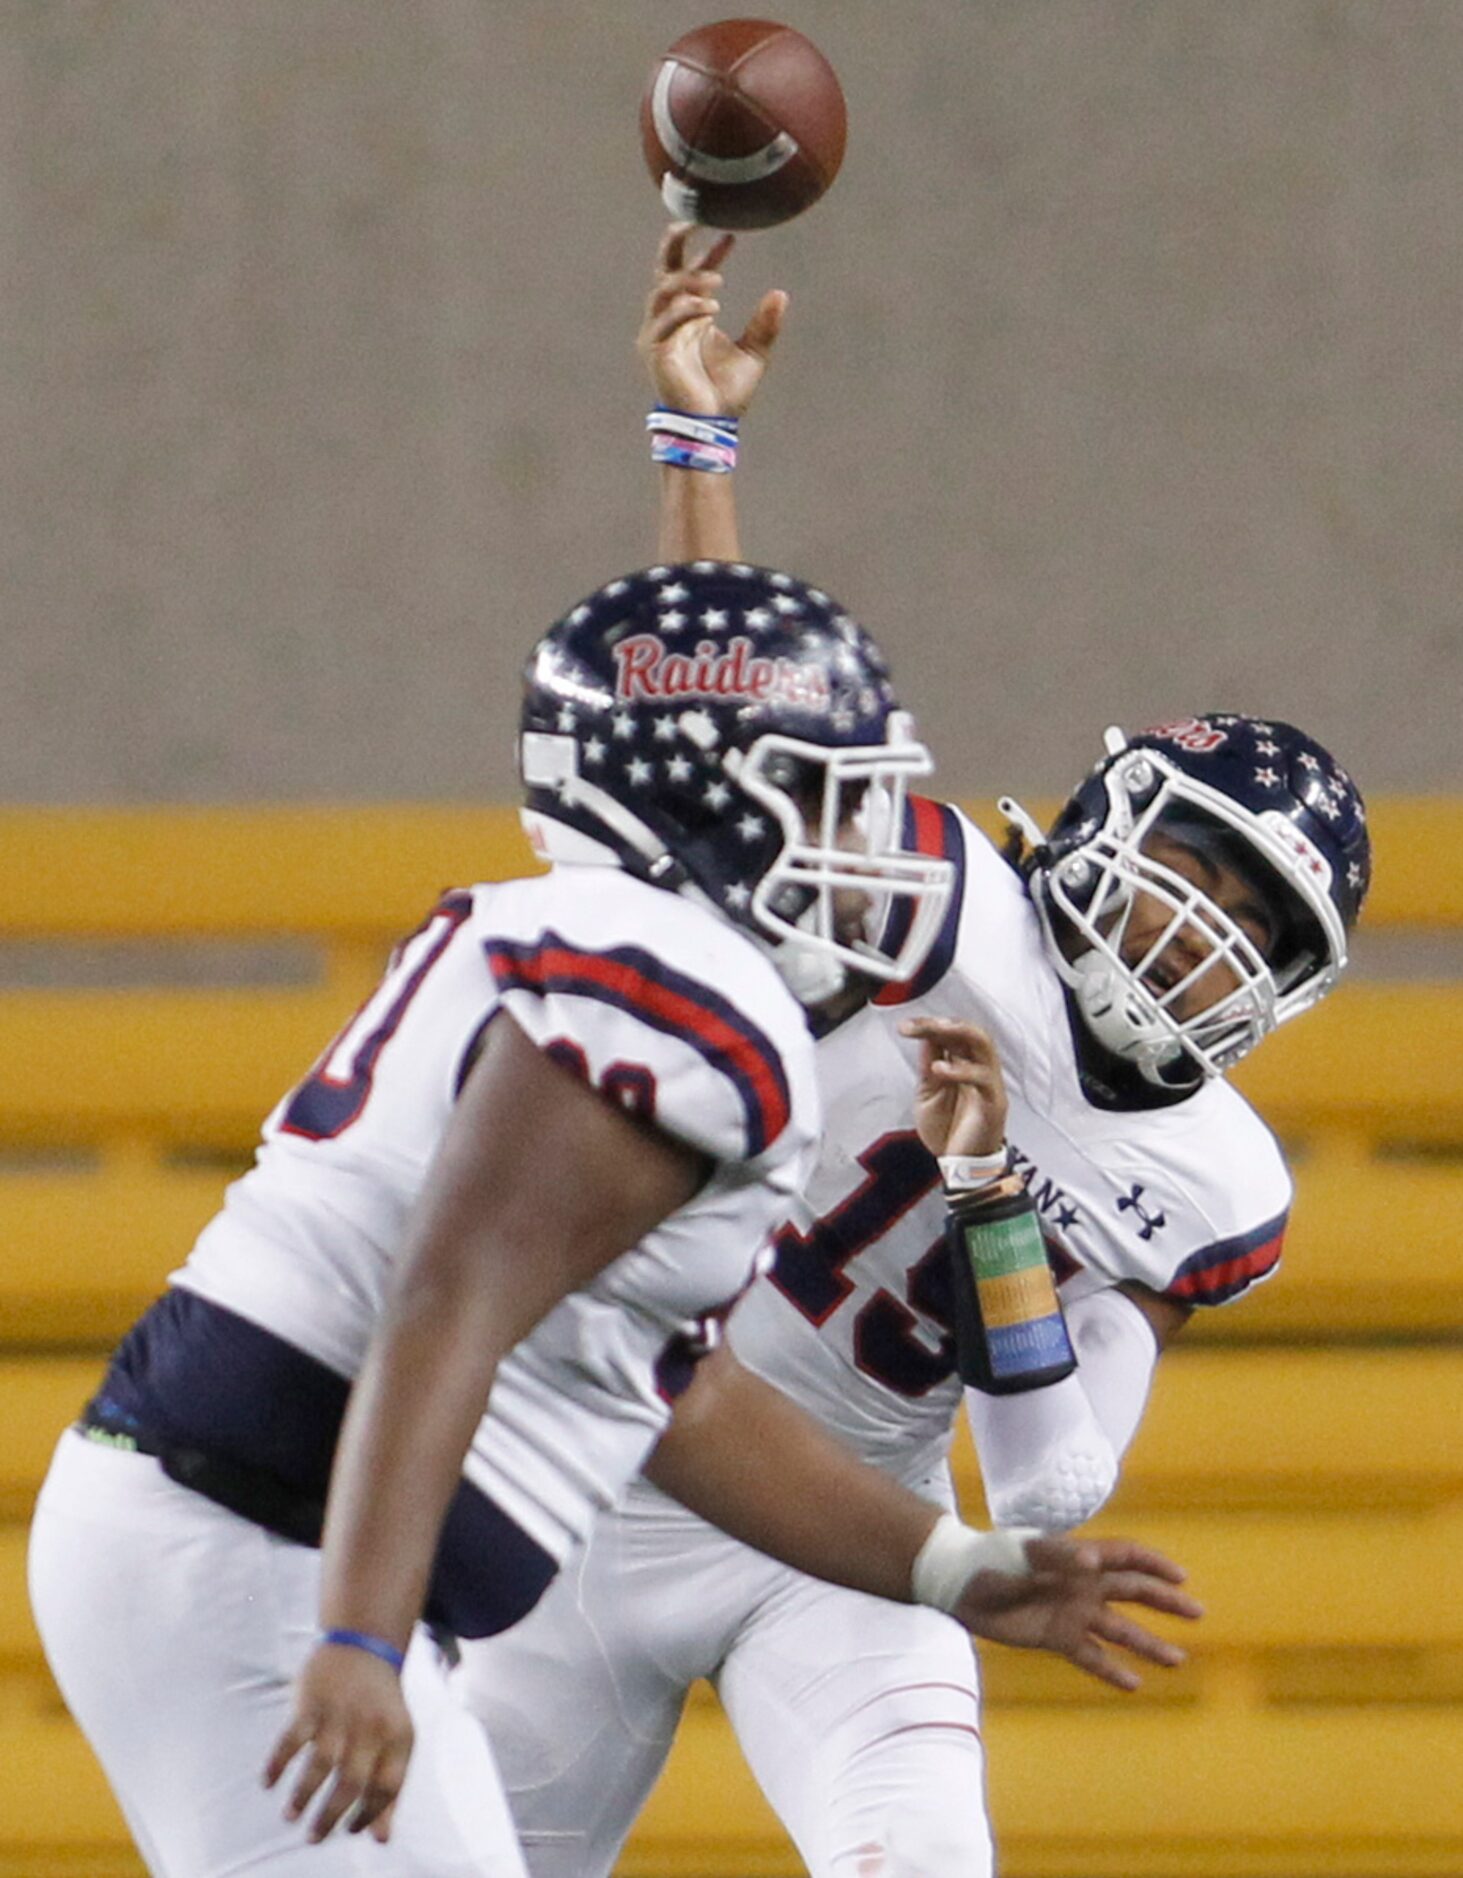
<point x="955" y="1552"/>
<point x="962" y="1173"/>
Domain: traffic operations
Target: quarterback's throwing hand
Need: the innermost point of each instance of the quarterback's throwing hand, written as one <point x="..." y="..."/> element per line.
<point x="693" y="365"/>
<point x="1067" y="1605"/>
<point x="351" y="1718"/>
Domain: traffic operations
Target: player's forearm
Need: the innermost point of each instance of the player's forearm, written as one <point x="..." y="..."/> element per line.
<point x="743" y="1456"/>
<point x="1051" y="1457"/>
<point x="698" y="516"/>
<point x="412" y="1415"/>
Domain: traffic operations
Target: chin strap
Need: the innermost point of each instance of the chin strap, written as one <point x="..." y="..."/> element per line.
<point x="1116" y="1020"/>
<point x="1031" y="830"/>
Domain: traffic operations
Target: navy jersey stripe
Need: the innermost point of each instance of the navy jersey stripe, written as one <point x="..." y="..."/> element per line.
<point x="929" y="828"/>
<point x="634" y="980"/>
<point x="1221" y="1271"/>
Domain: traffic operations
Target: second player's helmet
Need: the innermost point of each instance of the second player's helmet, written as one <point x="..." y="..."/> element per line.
<point x="716" y="728"/>
<point x="1256" y="797"/>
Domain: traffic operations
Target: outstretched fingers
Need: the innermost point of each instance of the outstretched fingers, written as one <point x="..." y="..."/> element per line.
<point x="1088" y="1654"/>
<point x="1158" y="1594"/>
<point x="1128" y="1634"/>
<point x="760" y="334"/>
<point x="1129" y="1555"/>
<point x="679" y="310"/>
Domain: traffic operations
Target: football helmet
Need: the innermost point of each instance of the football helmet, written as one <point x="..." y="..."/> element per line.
<point x="1259" y="799"/>
<point x="726" y="732"/>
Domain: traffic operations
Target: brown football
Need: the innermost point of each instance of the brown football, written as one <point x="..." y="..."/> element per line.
<point x="743" y="124"/>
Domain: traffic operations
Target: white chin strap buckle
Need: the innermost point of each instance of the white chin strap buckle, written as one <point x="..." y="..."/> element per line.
<point x="812" y="977"/>
<point x="1115" y="1017"/>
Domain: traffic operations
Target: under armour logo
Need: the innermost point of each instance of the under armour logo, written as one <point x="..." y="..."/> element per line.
<point x="1151" y="1221"/>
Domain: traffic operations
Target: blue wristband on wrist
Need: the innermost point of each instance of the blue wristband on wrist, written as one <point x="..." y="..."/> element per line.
<point x="363" y="1640"/>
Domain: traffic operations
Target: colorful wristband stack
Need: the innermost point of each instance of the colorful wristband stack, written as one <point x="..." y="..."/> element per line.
<point x="686" y="441"/>
<point x="1010" y="1333"/>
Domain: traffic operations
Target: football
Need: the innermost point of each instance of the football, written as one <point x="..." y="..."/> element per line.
<point x="743" y="124"/>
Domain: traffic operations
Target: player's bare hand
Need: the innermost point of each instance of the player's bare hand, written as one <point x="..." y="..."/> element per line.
<point x="960" y="1105"/>
<point x="352" y="1726"/>
<point x="694" y="366"/>
<point x="1069" y="1605"/>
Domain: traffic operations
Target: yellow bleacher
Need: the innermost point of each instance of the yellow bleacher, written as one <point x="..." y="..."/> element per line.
<point x="1303" y="1453"/>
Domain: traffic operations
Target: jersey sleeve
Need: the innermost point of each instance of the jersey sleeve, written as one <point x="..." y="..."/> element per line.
<point x="1195" y="1207"/>
<point x="1221" y="1271"/>
<point x="664" y="1042"/>
<point x="935" y="829"/>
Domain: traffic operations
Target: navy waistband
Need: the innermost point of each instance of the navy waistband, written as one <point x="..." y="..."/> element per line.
<point x="242" y="1417"/>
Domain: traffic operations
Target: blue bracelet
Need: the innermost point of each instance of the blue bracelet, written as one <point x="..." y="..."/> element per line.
<point x="362" y="1640"/>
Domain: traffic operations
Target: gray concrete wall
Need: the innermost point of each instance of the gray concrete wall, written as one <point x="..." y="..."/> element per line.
<point x="1123" y="376"/>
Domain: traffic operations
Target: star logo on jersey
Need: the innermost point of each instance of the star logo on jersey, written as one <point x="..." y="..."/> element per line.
<point x="1133" y="1202"/>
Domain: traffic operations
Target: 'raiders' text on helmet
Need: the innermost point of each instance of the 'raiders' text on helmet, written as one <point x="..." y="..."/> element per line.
<point x="728" y="732"/>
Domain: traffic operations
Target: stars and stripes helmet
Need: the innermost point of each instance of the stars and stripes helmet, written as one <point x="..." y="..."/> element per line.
<point x="727" y="732"/>
<point x="1257" y="797"/>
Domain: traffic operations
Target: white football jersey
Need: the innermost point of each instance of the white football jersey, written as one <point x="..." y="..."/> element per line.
<point x="854" y="1319"/>
<point x="664" y="1007"/>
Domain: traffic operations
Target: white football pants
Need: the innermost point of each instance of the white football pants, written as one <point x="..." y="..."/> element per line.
<point x="174" y="1630"/>
<point x="858" y="1717"/>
